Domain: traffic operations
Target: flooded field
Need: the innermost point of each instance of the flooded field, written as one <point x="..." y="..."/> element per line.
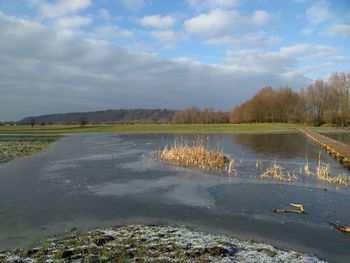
<point x="92" y="180"/>
<point x="343" y="137"/>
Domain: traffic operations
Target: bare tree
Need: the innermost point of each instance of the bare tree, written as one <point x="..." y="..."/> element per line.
<point x="82" y="121"/>
<point x="31" y="121"/>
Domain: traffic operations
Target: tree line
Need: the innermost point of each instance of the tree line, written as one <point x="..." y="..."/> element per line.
<point x="322" y="102"/>
<point x="121" y="116"/>
<point x="196" y="116"/>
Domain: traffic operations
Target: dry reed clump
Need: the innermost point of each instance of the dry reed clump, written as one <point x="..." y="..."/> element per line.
<point x="196" y="155"/>
<point x="277" y="173"/>
<point x="323" y="174"/>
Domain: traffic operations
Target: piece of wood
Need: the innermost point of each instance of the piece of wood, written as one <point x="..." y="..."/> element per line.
<point x="299" y="209"/>
<point x="298" y="206"/>
<point x="342" y="228"/>
<point x="288" y="211"/>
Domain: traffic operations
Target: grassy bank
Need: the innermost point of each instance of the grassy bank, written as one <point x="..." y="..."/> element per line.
<point x="152" y="244"/>
<point x="16" y="146"/>
<point x="152" y="128"/>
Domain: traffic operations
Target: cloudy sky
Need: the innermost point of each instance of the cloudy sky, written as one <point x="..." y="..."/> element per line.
<point x="84" y="55"/>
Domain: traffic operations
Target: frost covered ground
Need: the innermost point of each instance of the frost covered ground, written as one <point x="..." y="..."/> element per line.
<point x="139" y="243"/>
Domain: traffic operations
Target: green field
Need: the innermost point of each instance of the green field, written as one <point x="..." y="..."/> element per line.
<point x="151" y="128"/>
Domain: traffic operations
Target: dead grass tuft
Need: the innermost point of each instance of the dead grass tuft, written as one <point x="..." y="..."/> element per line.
<point x="323" y="174"/>
<point x="276" y="172"/>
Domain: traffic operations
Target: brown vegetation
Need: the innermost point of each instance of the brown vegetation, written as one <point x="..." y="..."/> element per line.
<point x="196" y="154"/>
<point x="277" y="173"/>
<point x="323" y="174"/>
<point x="269" y="105"/>
<point x="322" y="102"/>
<point x="196" y="116"/>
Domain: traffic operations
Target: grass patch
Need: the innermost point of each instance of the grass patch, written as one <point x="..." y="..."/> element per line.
<point x="16" y="146"/>
<point x="152" y="128"/>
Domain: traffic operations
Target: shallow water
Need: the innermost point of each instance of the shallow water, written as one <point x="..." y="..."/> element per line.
<point x="343" y="137"/>
<point x="92" y="180"/>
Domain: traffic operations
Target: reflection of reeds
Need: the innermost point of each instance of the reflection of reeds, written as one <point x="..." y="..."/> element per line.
<point x="231" y="164"/>
<point x="196" y="154"/>
<point x="323" y="174"/>
<point x="276" y="172"/>
<point x="241" y="160"/>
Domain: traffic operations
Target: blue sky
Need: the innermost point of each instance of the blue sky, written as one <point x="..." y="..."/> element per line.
<point x="77" y="55"/>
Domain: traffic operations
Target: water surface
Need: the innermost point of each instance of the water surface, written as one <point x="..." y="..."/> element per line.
<point x="92" y="180"/>
<point x="343" y="137"/>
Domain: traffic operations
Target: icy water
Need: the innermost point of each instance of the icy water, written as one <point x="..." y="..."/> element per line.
<point x="92" y="180"/>
<point x="343" y="137"/>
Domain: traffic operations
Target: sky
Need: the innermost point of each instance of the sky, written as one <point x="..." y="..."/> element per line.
<point x="84" y="55"/>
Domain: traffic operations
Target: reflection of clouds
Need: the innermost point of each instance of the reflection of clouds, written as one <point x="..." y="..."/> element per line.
<point x="170" y="189"/>
<point x="74" y="162"/>
<point x="58" y="166"/>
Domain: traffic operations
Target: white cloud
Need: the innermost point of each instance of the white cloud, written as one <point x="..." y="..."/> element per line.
<point x="209" y="4"/>
<point x="73" y="22"/>
<point x="167" y="35"/>
<point x="105" y="14"/>
<point x="284" y="61"/>
<point x="61" y="7"/>
<point x="217" y="22"/>
<point x="45" y="70"/>
<point x="133" y="5"/>
<point x="339" y="29"/>
<point x="294" y="50"/>
<point x="221" y="23"/>
<point x="157" y="21"/>
<point x="113" y="31"/>
<point x="319" y="12"/>
<point x="260" y="17"/>
<point x="307" y="30"/>
<point x="256" y="39"/>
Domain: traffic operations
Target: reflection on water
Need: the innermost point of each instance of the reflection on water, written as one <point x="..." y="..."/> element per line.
<point x="272" y="145"/>
<point x="89" y="180"/>
<point x="343" y="137"/>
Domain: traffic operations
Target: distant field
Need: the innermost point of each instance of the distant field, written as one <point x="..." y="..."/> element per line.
<point x="151" y="128"/>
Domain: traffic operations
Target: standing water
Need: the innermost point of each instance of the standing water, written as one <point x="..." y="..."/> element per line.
<point x="94" y="180"/>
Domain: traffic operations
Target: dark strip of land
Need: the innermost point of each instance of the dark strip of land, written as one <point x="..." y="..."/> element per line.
<point x="337" y="149"/>
<point x="152" y="128"/>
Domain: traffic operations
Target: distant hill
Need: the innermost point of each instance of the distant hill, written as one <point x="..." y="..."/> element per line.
<point x="104" y="117"/>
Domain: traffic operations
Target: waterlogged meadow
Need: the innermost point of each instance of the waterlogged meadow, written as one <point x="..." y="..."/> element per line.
<point x="16" y="146"/>
<point x="202" y="152"/>
<point x="273" y="187"/>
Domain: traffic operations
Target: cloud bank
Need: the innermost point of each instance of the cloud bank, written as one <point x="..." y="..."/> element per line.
<point x="49" y="70"/>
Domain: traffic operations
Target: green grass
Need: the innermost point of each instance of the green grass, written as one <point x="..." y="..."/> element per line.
<point x="152" y="128"/>
<point x="16" y="146"/>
